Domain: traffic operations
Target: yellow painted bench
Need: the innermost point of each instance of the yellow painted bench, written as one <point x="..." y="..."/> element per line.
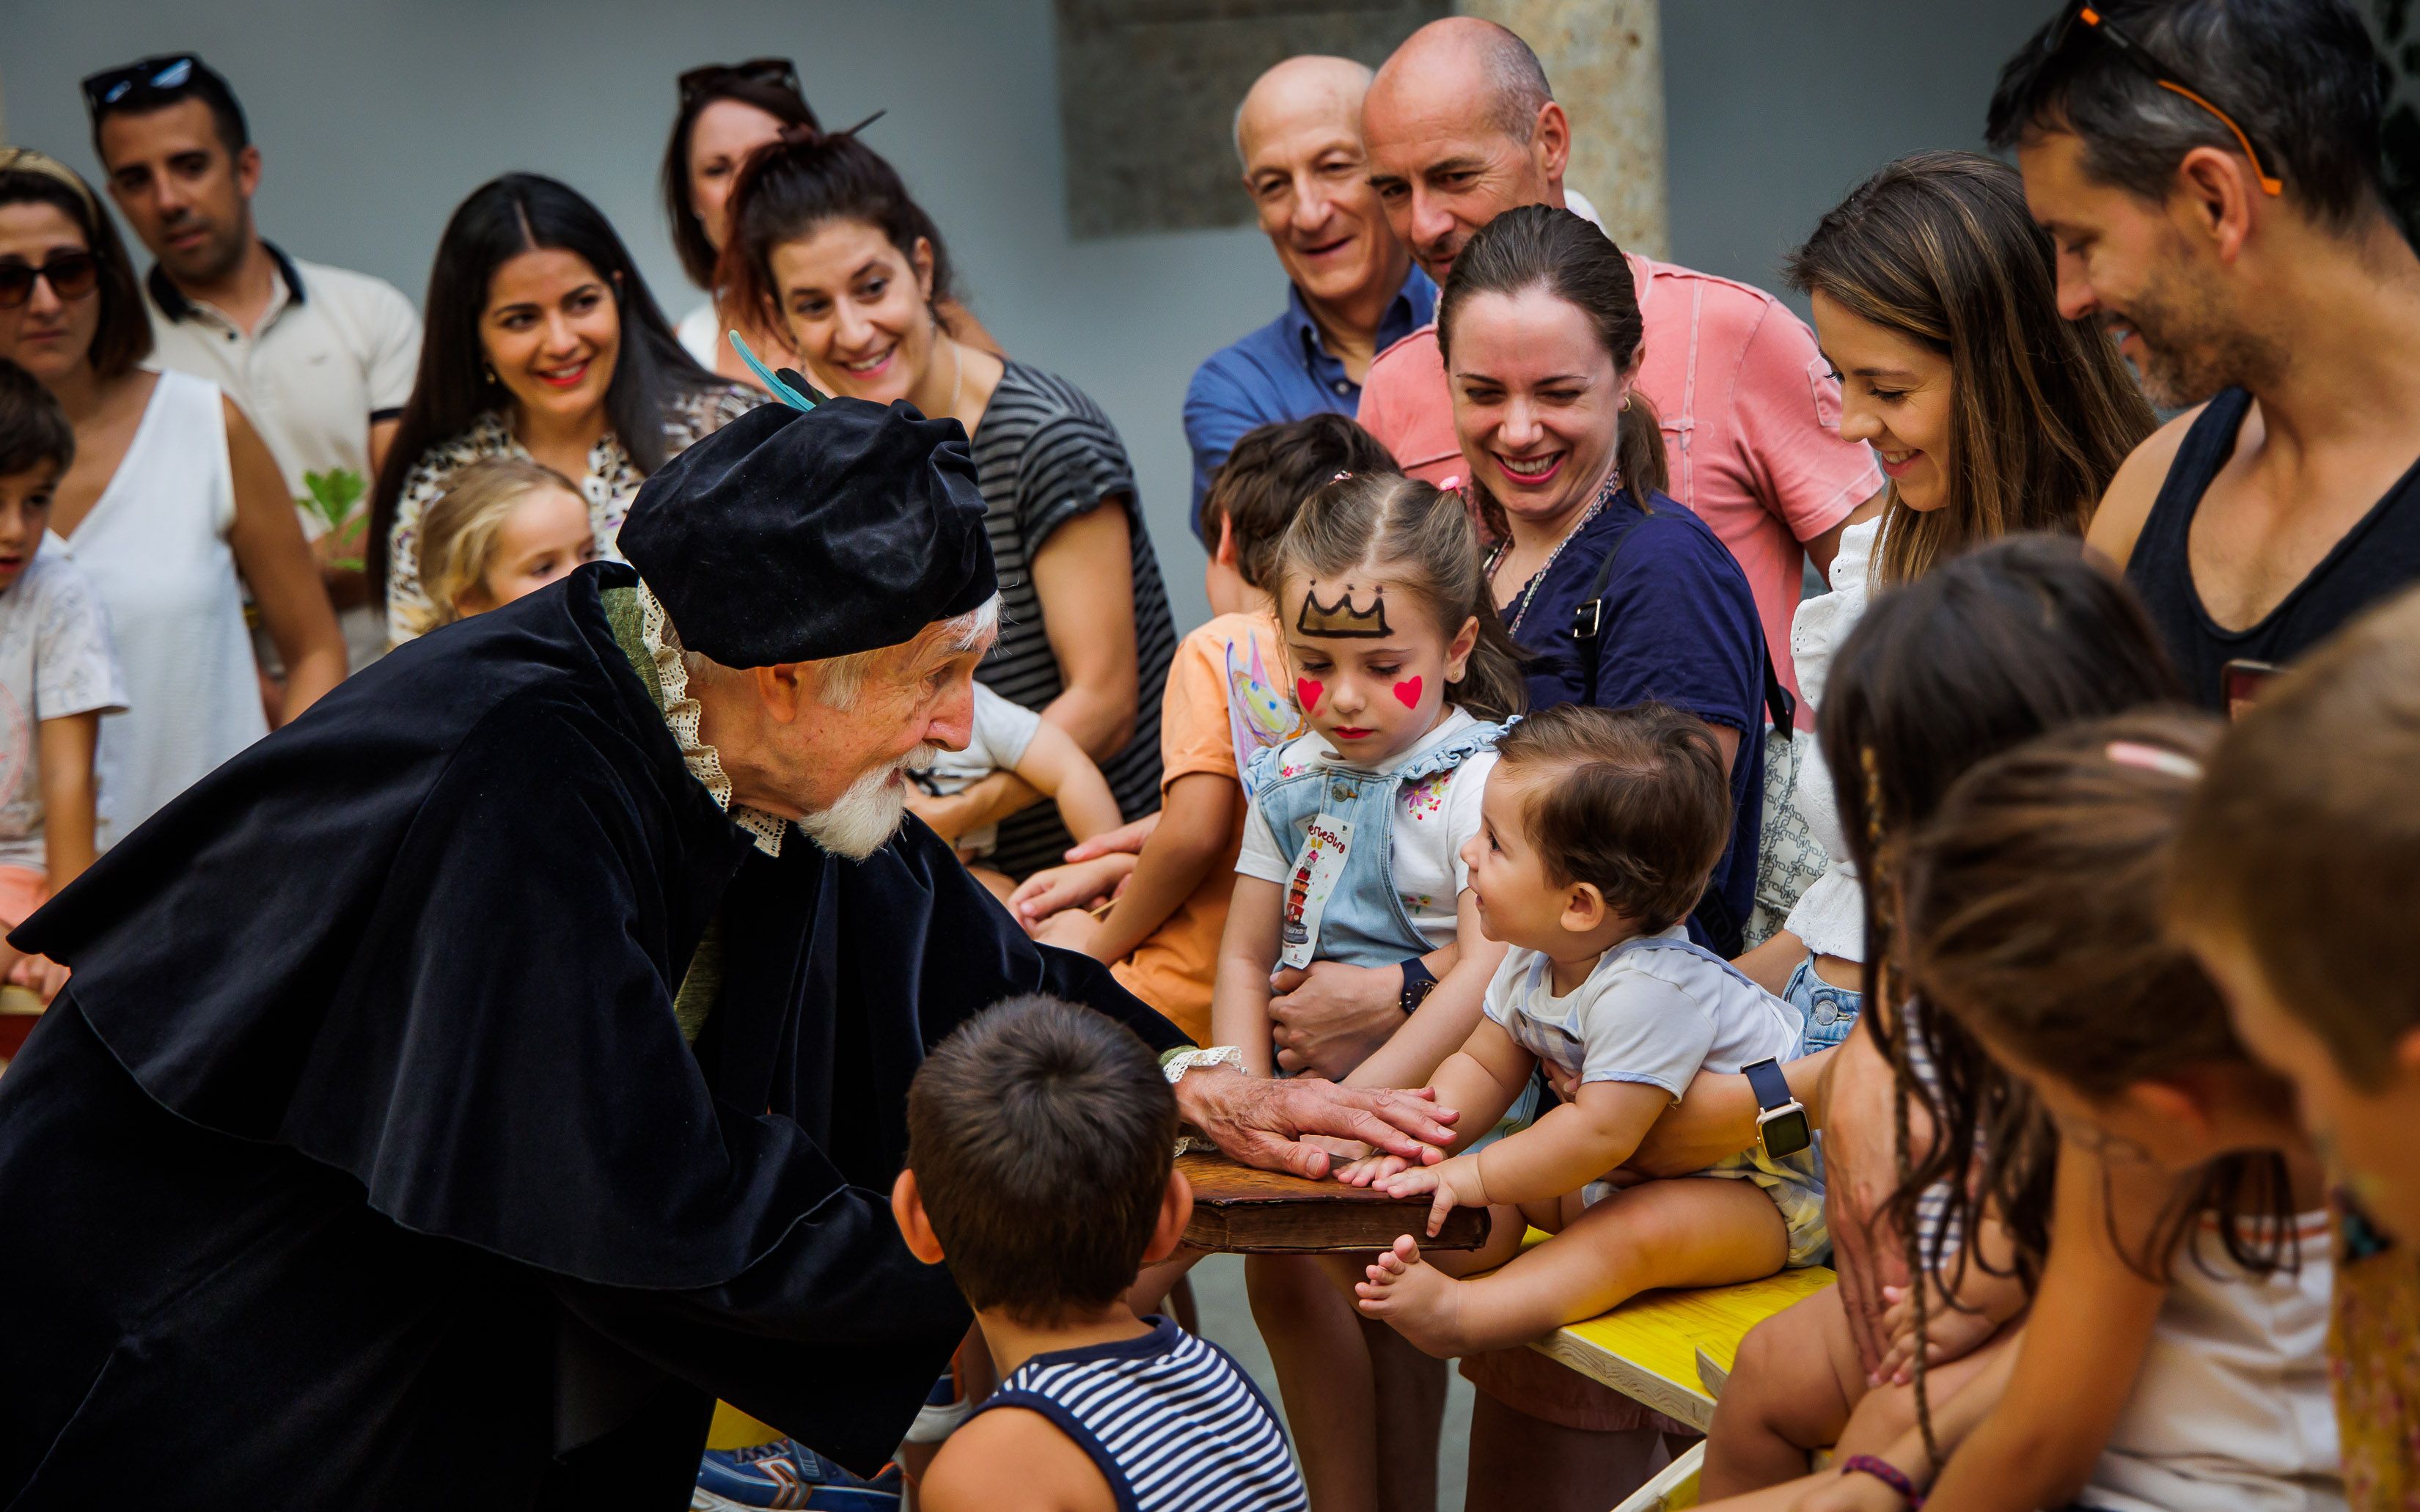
<point x="1661" y="1348"/>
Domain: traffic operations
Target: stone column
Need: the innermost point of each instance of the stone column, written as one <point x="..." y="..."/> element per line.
<point x="1605" y="59"/>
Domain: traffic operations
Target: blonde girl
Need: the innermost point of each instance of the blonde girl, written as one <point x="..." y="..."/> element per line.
<point x="503" y="528"/>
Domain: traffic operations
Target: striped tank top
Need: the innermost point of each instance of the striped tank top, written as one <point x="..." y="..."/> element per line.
<point x="1044" y="454"/>
<point x="1175" y="1425"/>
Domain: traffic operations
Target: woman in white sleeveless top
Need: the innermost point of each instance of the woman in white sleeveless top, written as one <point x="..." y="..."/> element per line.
<point x="170" y="497"/>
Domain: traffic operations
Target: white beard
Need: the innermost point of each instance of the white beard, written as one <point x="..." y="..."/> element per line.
<point x="862" y="820"/>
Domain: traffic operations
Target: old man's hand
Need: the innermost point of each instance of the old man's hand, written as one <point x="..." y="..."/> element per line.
<point x="1262" y="1122"/>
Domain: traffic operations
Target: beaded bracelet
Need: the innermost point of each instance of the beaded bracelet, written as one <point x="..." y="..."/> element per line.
<point x="1888" y="1474"/>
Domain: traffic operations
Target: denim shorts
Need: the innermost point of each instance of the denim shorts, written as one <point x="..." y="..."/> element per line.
<point x="1827" y="1011"/>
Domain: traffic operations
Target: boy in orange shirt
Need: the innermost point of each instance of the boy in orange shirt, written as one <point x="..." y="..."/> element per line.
<point x="1226" y="698"/>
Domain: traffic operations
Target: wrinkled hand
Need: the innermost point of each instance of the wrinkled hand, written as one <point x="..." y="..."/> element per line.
<point x="1330" y="1019"/>
<point x="1070" y="930"/>
<point x="1262" y="1122"/>
<point x="1951" y="1332"/>
<point x="1371" y="1170"/>
<point x="1453" y="1185"/>
<point x="1127" y="838"/>
<point x="1851" y="1493"/>
<point x="1057" y="888"/>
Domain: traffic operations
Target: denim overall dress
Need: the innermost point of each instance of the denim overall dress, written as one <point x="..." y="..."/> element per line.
<point x="1361" y="918"/>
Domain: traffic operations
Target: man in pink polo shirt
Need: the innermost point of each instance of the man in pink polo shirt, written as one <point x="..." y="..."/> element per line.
<point x="1460" y="127"/>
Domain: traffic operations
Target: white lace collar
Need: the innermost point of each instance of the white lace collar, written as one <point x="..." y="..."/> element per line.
<point x="663" y="647"/>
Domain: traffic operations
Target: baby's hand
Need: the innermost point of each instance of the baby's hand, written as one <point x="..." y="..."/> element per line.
<point x="1952" y="1331"/>
<point x="1454" y="1185"/>
<point x="1371" y="1170"/>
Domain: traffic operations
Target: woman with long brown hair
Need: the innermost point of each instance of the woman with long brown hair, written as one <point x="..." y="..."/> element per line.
<point x="1935" y="300"/>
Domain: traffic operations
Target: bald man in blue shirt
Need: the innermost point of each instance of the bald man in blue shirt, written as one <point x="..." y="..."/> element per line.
<point x="1354" y="290"/>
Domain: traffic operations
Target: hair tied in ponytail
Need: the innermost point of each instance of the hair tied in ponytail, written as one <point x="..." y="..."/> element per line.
<point x="2152" y="759"/>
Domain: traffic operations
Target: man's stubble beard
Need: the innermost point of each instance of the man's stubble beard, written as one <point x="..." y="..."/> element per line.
<point x="2192" y="348"/>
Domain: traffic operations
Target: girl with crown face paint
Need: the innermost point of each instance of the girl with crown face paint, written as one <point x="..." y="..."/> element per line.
<point x="1351" y="859"/>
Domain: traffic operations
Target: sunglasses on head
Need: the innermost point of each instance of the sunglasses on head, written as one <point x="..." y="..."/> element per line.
<point x="169" y="71"/>
<point x="70" y="274"/>
<point x="2082" y="18"/>
<point x="706" y="80"/>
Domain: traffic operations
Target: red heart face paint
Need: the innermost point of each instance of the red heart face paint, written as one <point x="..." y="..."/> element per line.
<point x="1408" y="692"/>
<point x="1307" y="692"/>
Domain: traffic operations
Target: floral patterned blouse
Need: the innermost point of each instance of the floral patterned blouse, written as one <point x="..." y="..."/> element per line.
<point x="2374" y="1357"/>
<point x="611" y="483"/>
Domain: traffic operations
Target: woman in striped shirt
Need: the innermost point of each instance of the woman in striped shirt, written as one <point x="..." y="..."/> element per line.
<point x="825" y="238"/>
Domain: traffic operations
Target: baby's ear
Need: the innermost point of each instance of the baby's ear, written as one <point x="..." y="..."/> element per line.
<point x="1584" y="908"/>
<point x="908" y="1210"/>
<point x="1175" y="1211"/>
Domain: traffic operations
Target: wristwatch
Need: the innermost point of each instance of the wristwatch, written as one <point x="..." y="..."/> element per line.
<point x="1782" y="1128"/>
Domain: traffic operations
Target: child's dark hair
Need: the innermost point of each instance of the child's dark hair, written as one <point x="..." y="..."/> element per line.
<point x="1041" y="1135"/>
<point x="1982" y="652"/>
<point x="33" y="428"/>
<point x="1271" y="471"/>
<point x="2033" y="914"/>
<point x="1423" y="539"/>
<point x="1637" y="805"/>
<point x="808" y="178"/>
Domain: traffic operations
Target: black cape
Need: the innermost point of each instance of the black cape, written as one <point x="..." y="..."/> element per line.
<point x="363" y="1163"/>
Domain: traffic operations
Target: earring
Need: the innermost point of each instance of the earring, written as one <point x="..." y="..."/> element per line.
<point x="489" y="368"/>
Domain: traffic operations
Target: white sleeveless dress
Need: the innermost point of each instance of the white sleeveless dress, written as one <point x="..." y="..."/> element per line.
<point x="156" y="547"/>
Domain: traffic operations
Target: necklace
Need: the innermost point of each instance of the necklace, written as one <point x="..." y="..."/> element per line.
<point x="1496" y="557"/>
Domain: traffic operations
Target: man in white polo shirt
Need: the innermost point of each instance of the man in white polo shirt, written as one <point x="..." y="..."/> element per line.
<point x="320" y="359"/>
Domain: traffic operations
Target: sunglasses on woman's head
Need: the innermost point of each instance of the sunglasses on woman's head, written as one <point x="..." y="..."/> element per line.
<point x="2083" y="19"/>
<point x="699" y="81"/>
<point x="169" y="71"/>
<point x="70" y="274"/>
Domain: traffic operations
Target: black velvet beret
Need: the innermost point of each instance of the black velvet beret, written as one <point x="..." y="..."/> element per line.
<point x="789" y="536"/>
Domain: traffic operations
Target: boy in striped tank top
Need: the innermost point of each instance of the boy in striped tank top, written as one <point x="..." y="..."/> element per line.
<point x="1040" y="1166"/>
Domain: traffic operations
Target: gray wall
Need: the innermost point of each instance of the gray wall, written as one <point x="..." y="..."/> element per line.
<point x="377" y="116"/>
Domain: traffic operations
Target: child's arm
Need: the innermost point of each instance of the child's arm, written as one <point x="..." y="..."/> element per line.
<point x="1197" y="820"/>
<point x="1056" y="766"/>
<point x="1954" y="1421"/>
<point x="1480" y="1081"/>
<point x="1013" y="1459"/>
<point x="2083" y="1346"/>
<point x="987" y="800"/>
<point x="66" y="746"/>
<point x="1239" y="1000"/>
<point x="1444" y="1023"/>
<point x="1572" y="1146"/>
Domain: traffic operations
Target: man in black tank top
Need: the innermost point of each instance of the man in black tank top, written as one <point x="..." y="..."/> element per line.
<point x="2208" y="170"/>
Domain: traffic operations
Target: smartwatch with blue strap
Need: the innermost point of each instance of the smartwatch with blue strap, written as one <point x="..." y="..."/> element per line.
<point x="1782" y="1128"/>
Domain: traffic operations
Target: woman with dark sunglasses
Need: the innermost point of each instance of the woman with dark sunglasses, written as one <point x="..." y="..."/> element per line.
<point x="171" y="497"/>
<point x="727" y="110"/>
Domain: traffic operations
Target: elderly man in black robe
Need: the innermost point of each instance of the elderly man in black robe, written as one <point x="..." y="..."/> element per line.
<point x="461" y="1088"/>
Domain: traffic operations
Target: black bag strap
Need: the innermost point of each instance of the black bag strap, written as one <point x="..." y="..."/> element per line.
<point x="1587" y="625"/>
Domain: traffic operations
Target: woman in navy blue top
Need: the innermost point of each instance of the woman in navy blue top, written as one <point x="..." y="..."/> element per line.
<point x="1540" y="329"/>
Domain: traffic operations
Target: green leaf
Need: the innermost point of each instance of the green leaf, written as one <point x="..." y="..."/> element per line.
<point x="332" y="495"/>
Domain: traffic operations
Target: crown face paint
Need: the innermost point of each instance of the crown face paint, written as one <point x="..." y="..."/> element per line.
<point x="1341" y="618"/>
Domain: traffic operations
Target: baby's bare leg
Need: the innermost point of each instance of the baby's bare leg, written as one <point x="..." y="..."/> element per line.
<point x="1324" y="1377"/>
<point x="1695" y="1231"/>
<point x="1791" y="1392"/>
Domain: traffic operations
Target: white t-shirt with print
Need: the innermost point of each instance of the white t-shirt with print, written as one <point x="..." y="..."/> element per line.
<point x="1656" y="1016"/>
<point x="55" y="659"/>
<point x="995" y="742"/>
<point x="1433" y="818"/>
